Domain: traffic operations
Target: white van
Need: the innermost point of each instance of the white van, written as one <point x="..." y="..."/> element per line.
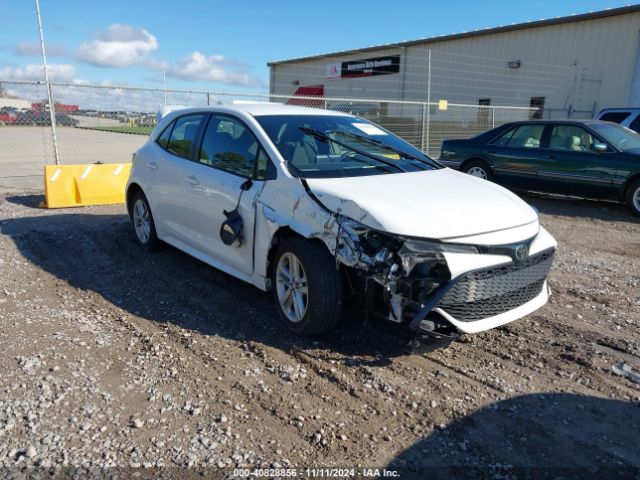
<point x="627" y="117"/>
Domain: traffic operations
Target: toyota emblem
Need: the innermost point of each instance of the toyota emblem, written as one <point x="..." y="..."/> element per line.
<point x="521" y="252"/>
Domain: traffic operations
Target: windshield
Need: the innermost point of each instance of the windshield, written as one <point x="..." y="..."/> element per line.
<point x="620" y="137"/>
<point x="326" y="146"/>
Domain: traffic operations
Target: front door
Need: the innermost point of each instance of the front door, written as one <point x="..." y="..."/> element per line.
<point x="226" y="162"/>
<point x="571" y="166"/>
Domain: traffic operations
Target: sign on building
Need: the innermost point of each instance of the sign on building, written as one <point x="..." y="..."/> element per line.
<point x="333" y="70"/>
<point x="364" y="68"/>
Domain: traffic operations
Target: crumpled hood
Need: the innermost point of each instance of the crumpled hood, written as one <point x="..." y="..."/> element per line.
<point x="436" y="204"/>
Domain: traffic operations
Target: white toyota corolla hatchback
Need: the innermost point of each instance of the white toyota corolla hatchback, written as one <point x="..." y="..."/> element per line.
<point x="315" y="205"/>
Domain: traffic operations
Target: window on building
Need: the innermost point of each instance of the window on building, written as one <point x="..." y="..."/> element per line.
<point x="484" y="113"/>
<point x="537" y="107"/>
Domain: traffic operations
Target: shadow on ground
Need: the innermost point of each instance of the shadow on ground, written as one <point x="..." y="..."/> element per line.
<point x="579" y="207"/>
<point x="98" y="253"/>
<point x="559" y="436"/>
<point x="31" y="201"/>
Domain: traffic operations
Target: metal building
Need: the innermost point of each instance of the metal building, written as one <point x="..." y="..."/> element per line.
<point x="568" y="66"/>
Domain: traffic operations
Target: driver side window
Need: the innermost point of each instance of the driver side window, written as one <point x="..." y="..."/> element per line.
<point x="571" y="138"/>
<point x="229" y="145"/>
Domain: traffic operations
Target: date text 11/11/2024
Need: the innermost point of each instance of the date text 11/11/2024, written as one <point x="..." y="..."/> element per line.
<point x="316" y="473"/>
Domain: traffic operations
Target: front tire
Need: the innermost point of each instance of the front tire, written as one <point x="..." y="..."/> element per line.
<point x="307" y="287"/>
<point x="633" y="197"/>
<point x="143" y="224"/>
<point x="478" y="168"/>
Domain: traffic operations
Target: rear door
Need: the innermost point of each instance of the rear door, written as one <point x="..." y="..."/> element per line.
<point x="515" y="155"/>
<point x="229" y="156"/>
<point x="166" y="171"/>
<point x="571" y="166"/>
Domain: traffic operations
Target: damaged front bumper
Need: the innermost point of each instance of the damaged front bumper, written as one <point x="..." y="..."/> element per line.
<point x="442" y="289"/>
<point x="437" y="288"/>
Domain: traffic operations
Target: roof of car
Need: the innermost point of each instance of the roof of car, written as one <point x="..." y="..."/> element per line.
<point x="587" y="121"/>
<point x="262" y="108"/>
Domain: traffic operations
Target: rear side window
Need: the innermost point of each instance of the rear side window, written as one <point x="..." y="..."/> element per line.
<point x="163" y="139"/>
<point x="527" y="136"/>
<point x="184" y="135"/>
<point x="615" y="117"/>
<point x="228" y="145"/>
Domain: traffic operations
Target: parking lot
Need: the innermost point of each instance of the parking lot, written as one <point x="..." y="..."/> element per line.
<point x="25" y="150"/>
<point x="113" y="357"/>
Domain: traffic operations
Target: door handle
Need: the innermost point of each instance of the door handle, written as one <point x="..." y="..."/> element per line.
<point x="192" y="180"/>
<point x="491" y="152"/>
<point x="550" y="157"/>
<point x="152" y="165"/>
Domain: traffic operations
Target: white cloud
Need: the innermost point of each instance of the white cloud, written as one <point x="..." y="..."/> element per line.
<point x="119" y="45"/>
<point x="214" y="68"/>
<point x="31" y="49"/>
<point x="61" y="72"/>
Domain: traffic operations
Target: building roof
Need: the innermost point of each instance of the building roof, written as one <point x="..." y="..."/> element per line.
<point x="610" y="12"/>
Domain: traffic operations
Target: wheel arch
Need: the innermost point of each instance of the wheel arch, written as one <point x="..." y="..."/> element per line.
<point x="476" y="158"/>
<point x="624" y="191"/>
<point x="282" y="233"/>
<point x="132" y="189"/>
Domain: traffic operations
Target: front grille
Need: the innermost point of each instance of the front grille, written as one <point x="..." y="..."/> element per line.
<point x="491" y="291"/>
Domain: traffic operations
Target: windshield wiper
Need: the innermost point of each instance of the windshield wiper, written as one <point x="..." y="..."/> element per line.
<point x="323" y="137"/>
<point x="378" y="143"/>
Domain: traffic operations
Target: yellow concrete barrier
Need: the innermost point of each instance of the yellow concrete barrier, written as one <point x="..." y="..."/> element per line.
<point x="81" y="185"/>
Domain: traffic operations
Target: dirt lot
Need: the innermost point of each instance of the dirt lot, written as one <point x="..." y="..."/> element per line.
<point x="115" y="358"/>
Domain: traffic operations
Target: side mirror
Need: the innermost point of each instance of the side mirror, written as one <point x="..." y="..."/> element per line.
<point x="599" y="147"/>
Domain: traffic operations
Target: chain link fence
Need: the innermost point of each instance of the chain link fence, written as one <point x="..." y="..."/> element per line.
<point x="104" y="123"/>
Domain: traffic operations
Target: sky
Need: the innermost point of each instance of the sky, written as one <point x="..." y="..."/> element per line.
<point x="227" y="44"/>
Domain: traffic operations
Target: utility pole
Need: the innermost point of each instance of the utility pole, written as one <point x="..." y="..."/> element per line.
<point x="52" y="112"/>
<point x="164" y="81"/>
<point x="428" y="100"/>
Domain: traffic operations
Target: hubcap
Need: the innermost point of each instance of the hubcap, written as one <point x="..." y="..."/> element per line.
<point x="141" y="221"/>
<point x="636" y="199"/>
<point x="477" y="172"/>
<point x="291" y="287"/>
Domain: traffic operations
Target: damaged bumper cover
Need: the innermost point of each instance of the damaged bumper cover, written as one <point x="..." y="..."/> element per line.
<point x="419" y="288"/>
<point x="434" y="287"/>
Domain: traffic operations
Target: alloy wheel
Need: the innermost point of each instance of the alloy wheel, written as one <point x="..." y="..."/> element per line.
<point x="477" y="172"/>
<point x="291" y="287"/>
<point x="142" y="220"/>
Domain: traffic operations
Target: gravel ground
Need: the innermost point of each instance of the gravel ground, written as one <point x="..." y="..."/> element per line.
<point x="113" y="358"/>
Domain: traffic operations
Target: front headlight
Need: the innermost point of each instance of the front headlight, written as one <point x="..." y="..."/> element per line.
<point x="379" y="251"/>
<point x="421" y="245"/>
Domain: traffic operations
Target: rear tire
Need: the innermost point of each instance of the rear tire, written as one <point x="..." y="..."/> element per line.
<point x="478" y="168"/>
<point x="143" y="224"/>
<point x="307" y="287"/>
<point x="633" y="197"/>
